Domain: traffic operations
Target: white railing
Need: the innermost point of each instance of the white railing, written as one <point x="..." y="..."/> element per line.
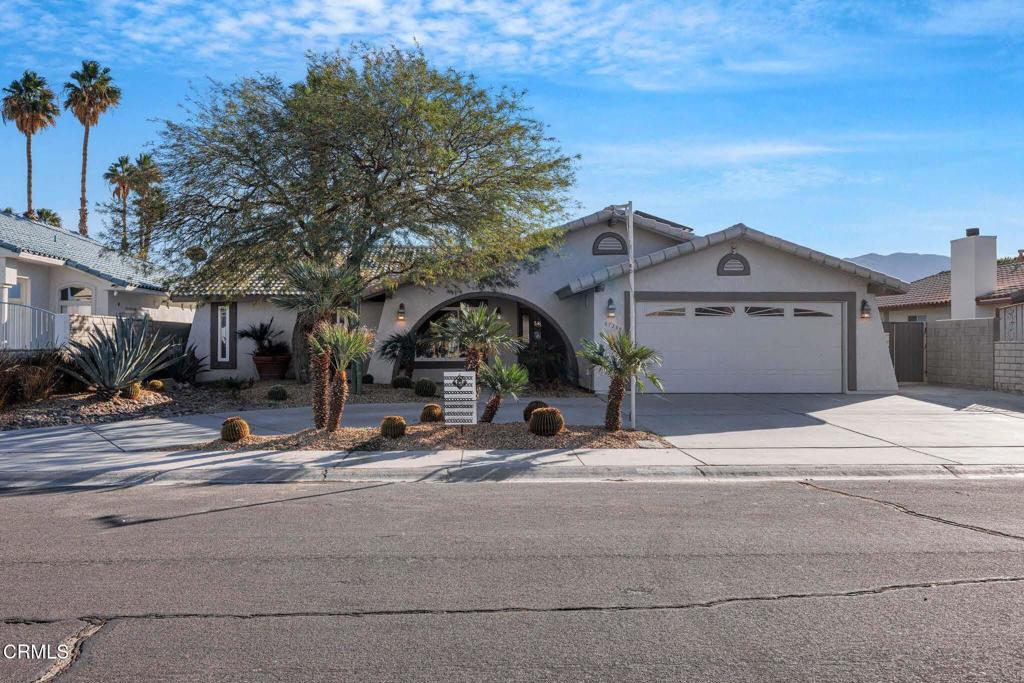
<point x="1011" y="323"/>
<point x="26" y="328"/>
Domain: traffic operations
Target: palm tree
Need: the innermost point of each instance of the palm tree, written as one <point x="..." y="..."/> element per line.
<point x="477" y="329"/>
<point x="145" y="181"/>
<point x="49" y="216"/>
<point x="402" y="348"/>
<point x="30" y="104"/>
<point x="317" y="292"/>
<point x="503" y="380"/>
<point x="342" y="347"/>
<point x="621" y="359"/>
<point x="89" y="94"/>
<point x="119" y="176"/>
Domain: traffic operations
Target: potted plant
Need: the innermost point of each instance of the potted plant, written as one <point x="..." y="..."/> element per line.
<point x="270" y="356"/>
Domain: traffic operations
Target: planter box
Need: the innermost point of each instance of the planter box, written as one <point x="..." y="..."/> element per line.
<point x="272" y="367"/>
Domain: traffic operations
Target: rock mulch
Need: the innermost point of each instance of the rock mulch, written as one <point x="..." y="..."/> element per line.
<point x="429" y="437"/>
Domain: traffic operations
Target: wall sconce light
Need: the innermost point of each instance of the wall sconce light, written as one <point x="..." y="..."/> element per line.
<point x="401" y="313"/>
<point x="865" y="309"/>
<point x="611" y="308"/>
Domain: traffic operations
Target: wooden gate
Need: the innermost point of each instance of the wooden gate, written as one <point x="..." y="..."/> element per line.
<point x="906" y="346"/>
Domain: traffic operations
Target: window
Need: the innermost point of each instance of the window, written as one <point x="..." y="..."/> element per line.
<point x="764" y="311"/>
<point x="609" y="243"/>
<point x="810" y="313"/>
<point x="733" y="264"/>
<point x="713" y="311"/>
<point x="19" y="293"/>
<point x="223" y="333"/>
<point x="76" y="299"/>
<point x="223" y="340"/>
<point x="917" y="318"/>
<point x="677" y="312"/>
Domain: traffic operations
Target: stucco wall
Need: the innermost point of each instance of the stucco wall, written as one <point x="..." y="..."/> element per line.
<point x="250" y="310"/>
<point x="961" y="352"/>
<point x="902" y="315"/>
<point x="1008" y="363"/>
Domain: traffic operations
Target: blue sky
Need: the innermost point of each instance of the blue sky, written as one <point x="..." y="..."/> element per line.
<point x="846" y="126"/>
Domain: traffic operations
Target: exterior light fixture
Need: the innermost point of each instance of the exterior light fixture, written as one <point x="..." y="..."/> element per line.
<point x="401" y="313"/>
<point x="865" y="309"/>
<point x="611" y="307"/>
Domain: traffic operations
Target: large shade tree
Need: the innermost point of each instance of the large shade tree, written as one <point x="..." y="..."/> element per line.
<point x="375" y="153"/>
<point x="88" y="95"/>
<point x="32" y="106"/>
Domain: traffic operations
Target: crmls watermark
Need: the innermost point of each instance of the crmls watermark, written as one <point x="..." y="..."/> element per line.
<point x="32" y="651"/>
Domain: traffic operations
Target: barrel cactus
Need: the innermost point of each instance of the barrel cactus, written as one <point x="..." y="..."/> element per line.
<point x="155" y="385"/>
<point x="530" y="407"/>
<point x="277" y="393"/>
<point x="546" y="421"/>
<point x="392" y="427"/>
<point x="425" y="387"/>
<point x="402" y="382"/>
<point x="431" y="413"/>
<point x="234" y="429"/>
<point x="132" y="392"/>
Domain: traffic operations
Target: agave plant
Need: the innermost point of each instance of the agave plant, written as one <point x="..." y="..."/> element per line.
<point x="341" y="346"/>
<point x="622" y="359"/>
<point x="111" y="359"/>
<point x="503" y="380"/>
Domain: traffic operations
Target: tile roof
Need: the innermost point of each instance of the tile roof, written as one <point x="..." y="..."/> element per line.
<point x="22" y="235"/>
<point x="933" y="290"/>
<point x="645" y="221"/>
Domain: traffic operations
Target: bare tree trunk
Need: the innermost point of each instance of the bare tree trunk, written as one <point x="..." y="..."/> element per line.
<point x="320" y="369"/>
<point x="491" y="409"/>
<point x="339" y="394"/>
<point x="300" y="346"/>
<point x="613" y="413"/>
<point x="83" y="210"/>
<point x="124" y="224"/>
<point x="29" y="212"/>
<point x="472" y="359"/>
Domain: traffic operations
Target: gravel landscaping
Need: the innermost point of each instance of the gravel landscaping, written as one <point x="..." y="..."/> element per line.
<point x="429" y="437"/>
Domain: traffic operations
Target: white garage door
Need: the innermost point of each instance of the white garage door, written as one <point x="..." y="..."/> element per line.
<point x="745" y="347"/>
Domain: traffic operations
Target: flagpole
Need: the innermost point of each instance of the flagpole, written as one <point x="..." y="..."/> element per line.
<point x="632" y="308"/>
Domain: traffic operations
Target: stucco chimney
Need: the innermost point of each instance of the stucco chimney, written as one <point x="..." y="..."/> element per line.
<point x="973" y="272"/>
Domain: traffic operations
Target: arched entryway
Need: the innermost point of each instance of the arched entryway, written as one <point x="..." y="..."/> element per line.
<point x="548" y="346"/>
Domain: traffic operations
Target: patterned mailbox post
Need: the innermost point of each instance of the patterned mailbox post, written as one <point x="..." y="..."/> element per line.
<point x="460" y="398"/>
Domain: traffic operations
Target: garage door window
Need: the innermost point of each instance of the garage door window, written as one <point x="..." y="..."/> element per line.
<point x="764" y="311"/>
<point x="713" y="311"/>
<point x="810" y="313"/>
<point x="675" y="312"/>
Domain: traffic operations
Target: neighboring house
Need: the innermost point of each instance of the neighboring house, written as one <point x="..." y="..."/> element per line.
<point x="53" y="278"/>
<point x="736" y="310"/>
<point x="982" y="282"/>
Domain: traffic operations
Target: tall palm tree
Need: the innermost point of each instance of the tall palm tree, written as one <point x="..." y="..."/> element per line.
<point x="88" y="95"/>
<point x="317" y="292"/>
<point x="478" y="330"/>
<point x="146" y="177"/>
<point x="32" y="106"/>
<point x="342" y="347"/>
<point x="49" y="216"/>
<point x="503" y="380"/>
<point x="119" y="175"/>
<point x="621" y="359"/>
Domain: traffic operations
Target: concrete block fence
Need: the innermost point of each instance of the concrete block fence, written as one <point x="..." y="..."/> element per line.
<point x="961" y="352"/>
<point x="1009" y="366"/>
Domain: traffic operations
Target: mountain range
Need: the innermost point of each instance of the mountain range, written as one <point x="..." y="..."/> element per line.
<point x="907" y="267"/>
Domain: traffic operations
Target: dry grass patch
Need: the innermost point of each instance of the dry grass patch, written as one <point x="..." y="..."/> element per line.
<point x="431" y="437"/>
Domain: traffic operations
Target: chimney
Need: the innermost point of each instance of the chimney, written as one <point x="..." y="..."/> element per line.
<point x="973" y="272"/>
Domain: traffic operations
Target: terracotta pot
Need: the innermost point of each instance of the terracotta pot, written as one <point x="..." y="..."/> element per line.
<point x="272" y="367"/>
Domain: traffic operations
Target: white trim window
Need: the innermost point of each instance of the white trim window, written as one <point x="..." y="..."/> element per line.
<point x="76" y="299"/>
<point x="21" y="292"/>
<point x="224" y="333"/>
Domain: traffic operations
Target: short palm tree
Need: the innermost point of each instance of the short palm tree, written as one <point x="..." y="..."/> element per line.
<point x="32" y="105"/>
<point x="621" y="359"/>
<point x="49" y="216"/>
<point x="479" y="331"/>
<point x="88" y="95"/>
<point x="402" y="349"/>
<point x="317" y="292"/>
<point x="503" y="380"/>
<point x="119" y="176"/>
<point x="341" y="346"/>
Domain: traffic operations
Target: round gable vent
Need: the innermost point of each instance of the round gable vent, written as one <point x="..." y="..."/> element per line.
<point x="733" y="264"/>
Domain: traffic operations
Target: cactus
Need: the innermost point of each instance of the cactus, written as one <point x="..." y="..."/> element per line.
<point x="431" y="413"/>
<point x="530" y="407"/>
<point x="155" y="385"/>
<point x="402" y="382"/>
<point x="425" y="387"/>
<point x="392" y="427"/>
<point x="546" y="421"/>
<point x="132" y="392"/>
<point x="277" y="393"/>
<point x="367" y="379"/>
<point x="234" y="429"/>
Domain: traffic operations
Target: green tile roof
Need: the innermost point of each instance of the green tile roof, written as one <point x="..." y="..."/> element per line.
<point x="19" y="234"/>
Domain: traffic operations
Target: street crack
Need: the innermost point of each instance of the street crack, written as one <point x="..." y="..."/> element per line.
<point x="913" y="513"/>
<point x="74" y="645"/>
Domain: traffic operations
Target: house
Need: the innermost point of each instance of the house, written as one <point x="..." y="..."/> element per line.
<point x="976" y="285"/>
<point x="734" y="311"/>
<point x="55" y="280"/>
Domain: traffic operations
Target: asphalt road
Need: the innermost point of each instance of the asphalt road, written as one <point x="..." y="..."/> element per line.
<point x="519" y="582"/>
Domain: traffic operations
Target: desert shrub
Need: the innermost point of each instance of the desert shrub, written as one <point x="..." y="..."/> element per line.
<point x="132" y="392"/>
<point x="234" y="429"/>
<point x="367" y="379"/>
<point x="392" y="427"/>
<point x="35" y="382"/>
<point x="431" y="412"/>
<point x="8" y="378"/>
<point x="402" y="382"/>
<point x="155" y="385"/>
<point x="425" y="387"/>
<point x="234" y="385"/>
<point x="188" y="367"/>
<point x="546" y="421"/>
<point x="277" y="393"/>
<point x="530" y="407"/>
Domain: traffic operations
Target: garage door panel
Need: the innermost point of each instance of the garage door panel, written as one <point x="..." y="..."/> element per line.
<point x="743" y="352"/>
